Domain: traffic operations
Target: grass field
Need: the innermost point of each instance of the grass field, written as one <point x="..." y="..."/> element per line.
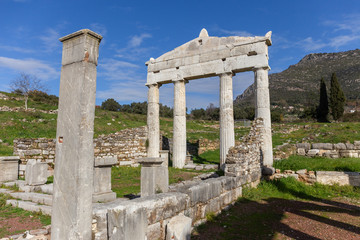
<point x="126" y="180"/>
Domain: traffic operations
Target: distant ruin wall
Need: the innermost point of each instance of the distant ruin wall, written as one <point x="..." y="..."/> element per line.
<point x="330" y="150"/>
<point x="127" y="145"/>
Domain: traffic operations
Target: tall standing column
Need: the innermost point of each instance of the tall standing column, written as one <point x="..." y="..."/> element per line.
<point x="179" y="135"/>
<point x="153" y="122"/>
<point x="74" y="161"/>
<point x="262" y="110"/>
<point x="227" y="136"/>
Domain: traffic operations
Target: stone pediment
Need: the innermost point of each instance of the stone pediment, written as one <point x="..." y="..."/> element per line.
<point x="204" y="52"/>
<point x="205" y="44"/>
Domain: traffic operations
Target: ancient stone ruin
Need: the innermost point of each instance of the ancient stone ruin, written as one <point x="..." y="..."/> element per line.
<point x="202" y="57"/>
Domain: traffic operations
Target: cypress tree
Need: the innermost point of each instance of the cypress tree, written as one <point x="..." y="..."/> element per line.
<point x="323" y="108"/>
<point x="337" y="98"/>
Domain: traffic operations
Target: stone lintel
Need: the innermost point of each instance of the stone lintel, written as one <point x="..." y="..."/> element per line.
<point x="81" y="32"/>
<point x="9" y="158"/>
<point x="255" y="68"/>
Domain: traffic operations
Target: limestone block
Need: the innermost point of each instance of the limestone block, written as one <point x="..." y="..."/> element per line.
<point x="350" y="146"/>
<point x="301" y="151"/>
<point x="154" y="231"/>
<point x="36" y="173"/>
<point x="340" y="146"/>
<point x="127" y="223"/>
<point x="349" y="153"/>
<point x="204" y="191"/>
<point x="341" y="178"/>
<point x="325" y="146"/>
<point x="105" y="161"/>
<point x="357" y="145"/>
<point x="179" y="228"/>
<point x="313" y="152"/>
<point x="305" y="146"/>
<point x="9" y="168"/>
<point x="154" y="176"/>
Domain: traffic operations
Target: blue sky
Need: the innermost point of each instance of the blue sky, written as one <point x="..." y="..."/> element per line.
<point x="134" y="31"/>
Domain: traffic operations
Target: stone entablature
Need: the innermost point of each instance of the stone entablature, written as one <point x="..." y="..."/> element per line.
<point x="127" y="145"/>
<point x="331" y="150"/>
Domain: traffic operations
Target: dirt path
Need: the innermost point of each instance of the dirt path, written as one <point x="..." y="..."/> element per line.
<point x="286" y="219"/>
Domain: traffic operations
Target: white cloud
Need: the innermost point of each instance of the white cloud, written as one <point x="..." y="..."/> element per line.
<point x="136" y="41"/>
<point x="308" y="44"/>
<point x="240" y="33"/>
<point x="31" y="66"/>
<point x="16" y="49"/>
<point x="50" y="40"/>
<point x="98" y="28"/>
<point x="133" y="50"/>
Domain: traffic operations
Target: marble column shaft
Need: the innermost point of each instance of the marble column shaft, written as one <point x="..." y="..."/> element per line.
<point x="227" y="137"/>
<point x="74" y="161"/>
<point x="179" y="125"/>
<point x="262" y="110"/>
<point x="153" y="122"/>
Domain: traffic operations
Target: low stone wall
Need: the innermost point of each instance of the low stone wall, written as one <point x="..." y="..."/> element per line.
<point x="329" y="150"/>
<point x="150" y="216"/>
<point x="126" y="145"/>
<point x="323" y="177"/>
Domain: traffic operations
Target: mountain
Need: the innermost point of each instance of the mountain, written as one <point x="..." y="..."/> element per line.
<point x="300" y="83"/>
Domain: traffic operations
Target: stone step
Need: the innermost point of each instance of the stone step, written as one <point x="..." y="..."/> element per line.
<point x="30" y="206"/>
<point x="40" y="198"/>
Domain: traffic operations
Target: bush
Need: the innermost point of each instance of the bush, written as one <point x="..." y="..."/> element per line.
<point x="351" y="117"/>
<point x="111" y="105"/>
<point x="43" y="97"/>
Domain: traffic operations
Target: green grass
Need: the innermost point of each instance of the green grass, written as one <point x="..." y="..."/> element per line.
<point x="290" y="188"/>
<point x="209" y="157"/>
<point x="126" y="180"/>
<point x="7" y="212"/>
<point x="319" y="164"/>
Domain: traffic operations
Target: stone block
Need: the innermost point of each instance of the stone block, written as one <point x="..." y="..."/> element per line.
<point x="349" y="153"/>
<point x="105" y="161"/>
<point x="204" y="191"/>
<point x="154" y="231"/>
<point x="179" y="228"/>
<point x="313" y="152"/>
<point x="340" y="146"/>
<point x="341" y="178"/>
<point x="305" y="146"/>
<point x="325" y="146"/>
<point x="301" y="151"/>
<point x="9" y="168"/>
<point x="349" y="146"/>
<point x="154" y="176"/>
<point x="36" y="173"/>
<point x="126" y="222"/>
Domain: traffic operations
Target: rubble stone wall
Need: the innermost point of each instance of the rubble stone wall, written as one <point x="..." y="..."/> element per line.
<point x="336" y="150"/>
<point x="245" y="159"/>
<point x="127" y="145"/>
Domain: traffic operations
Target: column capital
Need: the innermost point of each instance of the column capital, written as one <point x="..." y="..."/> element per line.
<point x="180" y="80"/>
<point x="225" y="73"/>
<point x="256" y="68"/>
<point x="153" y="84"/>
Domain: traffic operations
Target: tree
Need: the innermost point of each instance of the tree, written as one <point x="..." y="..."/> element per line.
<point x="26" y="83"/>
<point x="323" y="108"/>
<point x="337" y="98"/>
<point x="110" y="104"/>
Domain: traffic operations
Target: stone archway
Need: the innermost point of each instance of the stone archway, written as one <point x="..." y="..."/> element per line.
<point x="202" y="57"/>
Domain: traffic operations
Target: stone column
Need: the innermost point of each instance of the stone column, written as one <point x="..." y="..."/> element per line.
<point x="262" y="110"/>
<point x="74" y="161"/>
<point x="153" y="122"/>
<point x="227" y="135"/>
<point x="179" y="135"/>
